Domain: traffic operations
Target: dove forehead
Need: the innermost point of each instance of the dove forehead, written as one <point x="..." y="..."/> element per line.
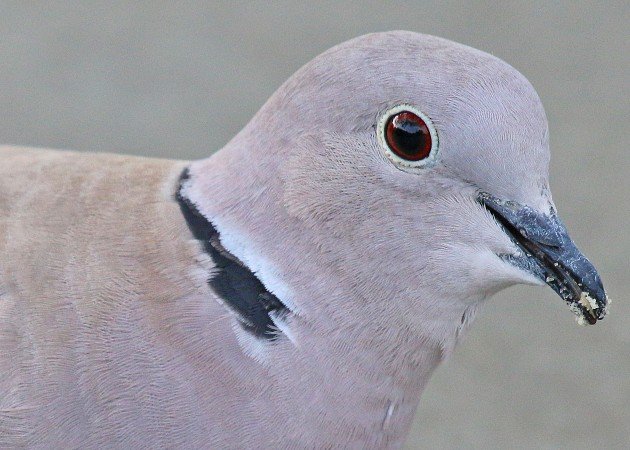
<point x="491" y="123"/>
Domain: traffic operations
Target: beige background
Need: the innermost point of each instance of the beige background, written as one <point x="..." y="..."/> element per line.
<point x="157" y="79"/>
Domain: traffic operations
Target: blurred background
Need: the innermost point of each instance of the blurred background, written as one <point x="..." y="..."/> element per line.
<point x="179" y="79"/>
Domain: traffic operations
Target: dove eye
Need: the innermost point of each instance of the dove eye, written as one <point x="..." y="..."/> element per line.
<point x="409" y="138"/>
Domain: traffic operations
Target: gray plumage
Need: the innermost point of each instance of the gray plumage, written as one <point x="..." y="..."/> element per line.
<point x="111" y="335"/>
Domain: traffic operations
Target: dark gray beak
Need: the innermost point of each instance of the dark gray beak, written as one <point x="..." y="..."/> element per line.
<point x="550" y="254"/>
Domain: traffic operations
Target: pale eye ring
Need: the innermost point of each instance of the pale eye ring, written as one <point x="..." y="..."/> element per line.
<point x="408" y="137"/>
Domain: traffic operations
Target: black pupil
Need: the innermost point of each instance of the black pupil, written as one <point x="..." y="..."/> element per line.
<point x="408" y="136"/>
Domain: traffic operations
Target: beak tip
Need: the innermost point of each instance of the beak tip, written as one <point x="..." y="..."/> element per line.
<point x="589" y="310"/>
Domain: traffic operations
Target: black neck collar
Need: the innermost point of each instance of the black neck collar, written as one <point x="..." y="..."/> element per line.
<point x="232" y="281"/>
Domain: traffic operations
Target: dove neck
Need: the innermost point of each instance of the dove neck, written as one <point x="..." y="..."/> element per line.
<point x="379" y="346"/>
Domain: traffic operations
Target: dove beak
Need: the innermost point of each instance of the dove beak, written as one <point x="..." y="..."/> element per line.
<point x="549" y="253"/>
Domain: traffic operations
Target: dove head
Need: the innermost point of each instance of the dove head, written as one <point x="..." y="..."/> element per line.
<point x="395" y="175"/>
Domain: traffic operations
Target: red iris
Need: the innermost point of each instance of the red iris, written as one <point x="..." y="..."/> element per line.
<point x="408" y="136"/>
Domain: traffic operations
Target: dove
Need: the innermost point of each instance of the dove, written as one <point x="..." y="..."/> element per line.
<point x="298" y="287"/>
